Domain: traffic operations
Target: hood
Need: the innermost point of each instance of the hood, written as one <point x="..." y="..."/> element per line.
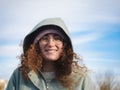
<point x="50" y="23"/>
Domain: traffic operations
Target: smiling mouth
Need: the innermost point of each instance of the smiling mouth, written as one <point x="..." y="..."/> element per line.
<point x="51" y="50"/>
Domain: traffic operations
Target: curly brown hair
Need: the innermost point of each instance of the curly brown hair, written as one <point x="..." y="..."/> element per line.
<point x="32" y="59"/>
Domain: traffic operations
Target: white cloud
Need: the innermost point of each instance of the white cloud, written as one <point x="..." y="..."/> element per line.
<point x="10" y="51"/>
<point x="100" y="64"/>
<point x="9" y="60"/>
<point x="9" y="66"/>
<point x="83" y="39"/>
<point x="108" y="19"/>
<point x="77" y="14"/>
<point x="75" y="11"/>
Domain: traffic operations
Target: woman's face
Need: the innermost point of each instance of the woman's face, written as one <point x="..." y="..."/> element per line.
<point x="51" y="46"/>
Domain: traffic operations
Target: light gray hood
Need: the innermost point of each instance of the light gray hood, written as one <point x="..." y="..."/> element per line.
<point x="52" y="22"/>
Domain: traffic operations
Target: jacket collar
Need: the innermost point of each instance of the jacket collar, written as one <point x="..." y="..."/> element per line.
<point x="37" y="80"/>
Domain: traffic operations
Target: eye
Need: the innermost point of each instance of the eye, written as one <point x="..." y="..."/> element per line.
<point x="44" y="38"/>
<point x="57" y="37"/>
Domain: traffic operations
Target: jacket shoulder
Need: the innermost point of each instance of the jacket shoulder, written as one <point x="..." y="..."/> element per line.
<point x="82" y="80"/>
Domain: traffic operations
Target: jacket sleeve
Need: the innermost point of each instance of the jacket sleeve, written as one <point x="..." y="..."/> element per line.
<point x="12" y="84"/>
<point x="85" y="83"/>
<point x="88" y="84"/>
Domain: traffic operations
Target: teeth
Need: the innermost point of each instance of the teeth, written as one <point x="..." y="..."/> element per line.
<point x="51" y="50"/>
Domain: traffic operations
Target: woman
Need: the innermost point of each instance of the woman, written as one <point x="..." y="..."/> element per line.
<point x="48" y="61"/>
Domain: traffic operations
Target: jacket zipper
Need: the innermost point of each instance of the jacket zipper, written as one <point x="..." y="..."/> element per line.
<point x="46" y="84"/>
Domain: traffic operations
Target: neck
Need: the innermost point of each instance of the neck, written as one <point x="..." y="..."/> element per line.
<point x="48" y="66"/>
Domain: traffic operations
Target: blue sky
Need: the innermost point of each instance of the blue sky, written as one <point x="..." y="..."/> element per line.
<point x="94" y="27"/>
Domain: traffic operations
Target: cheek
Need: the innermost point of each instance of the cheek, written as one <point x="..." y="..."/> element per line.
<point x="61" y="48"/>
<point x="41" y="47"/>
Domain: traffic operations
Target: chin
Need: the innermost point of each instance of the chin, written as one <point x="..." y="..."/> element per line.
<point x="51" y="59"/>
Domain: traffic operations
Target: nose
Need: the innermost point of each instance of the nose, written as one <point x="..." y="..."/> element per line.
<point x="51" y="42"/>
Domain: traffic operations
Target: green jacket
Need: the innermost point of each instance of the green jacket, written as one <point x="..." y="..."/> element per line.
<point x="37" y="82"/>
